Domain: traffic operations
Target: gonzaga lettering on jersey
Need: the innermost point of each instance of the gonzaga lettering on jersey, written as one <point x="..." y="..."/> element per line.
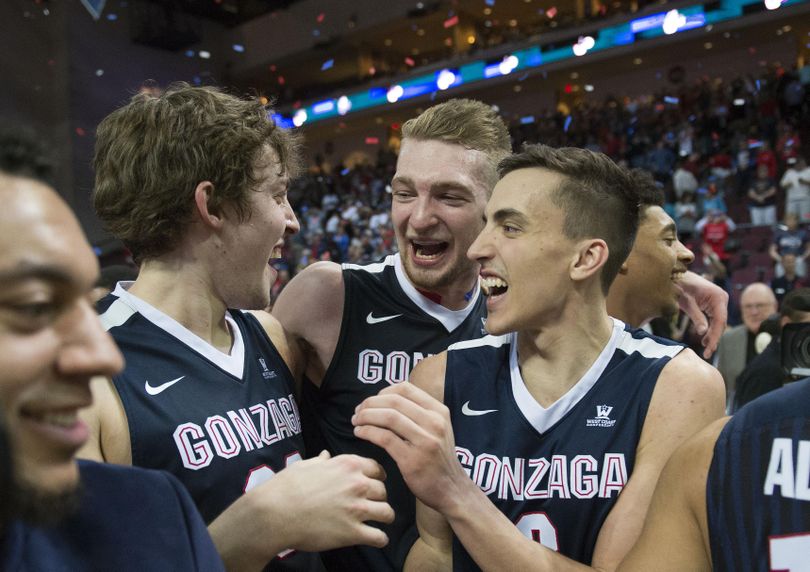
<point x="555" y="472"/>
<point x="388" y="327"/>
<point x="220" y="423"/>
<point x="758" y="487"/>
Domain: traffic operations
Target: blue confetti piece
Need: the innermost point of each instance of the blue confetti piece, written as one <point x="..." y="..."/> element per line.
<point x="239" y="48"/>
<point x="489" y="2"/>
<point x="345" y="171"/>
<point x="112" y="17"/>
<point x="327" y="65"/>
<point x="189" y="53"/>
<point x="567" y="123"/>
<point x="758" y="86"/>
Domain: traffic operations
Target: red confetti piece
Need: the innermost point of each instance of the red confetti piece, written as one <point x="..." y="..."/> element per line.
<point x="409" y="61"/>
<point x="320" y="17"/>
<point x="568" y="88"/>
<point x="450" y="22"/>
<point x="551" y="12"/>
<point x="281" y="80"/>
<point x="80" y="132"/>
<point x="372" y="140"/>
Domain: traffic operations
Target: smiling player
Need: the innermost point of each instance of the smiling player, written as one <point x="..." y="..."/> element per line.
<point x="548" y="446"/>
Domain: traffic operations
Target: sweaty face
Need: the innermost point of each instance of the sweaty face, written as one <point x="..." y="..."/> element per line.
<point x="656" y="265"/>
<point x="523" y="253"/>
<point x="250" y="247"/>
<point x="439" y="194"/>
<point x="51" y="340"/>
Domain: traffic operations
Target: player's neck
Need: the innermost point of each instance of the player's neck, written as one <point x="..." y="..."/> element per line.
<point x="553" y="359"/>
<point x="184" y="293"/>
<point x="625" y="307"/>
<point x="457" y="296"/>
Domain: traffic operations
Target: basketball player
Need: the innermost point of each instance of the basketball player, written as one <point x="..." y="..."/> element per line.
<point x="366" y="327"/>
<point x="194" y="182"/>
<point x="562" y="428"/>
<point x="648" y="284"/>
<point x="65" y="515"/>
<point x="735" y="496"/>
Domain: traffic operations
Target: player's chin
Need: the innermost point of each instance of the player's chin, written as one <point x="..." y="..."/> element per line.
<point x="56" y="477"/>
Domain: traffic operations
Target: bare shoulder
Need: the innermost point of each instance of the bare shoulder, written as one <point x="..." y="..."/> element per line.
<point x="428" y="375"/>
<point x="692" y="377"/>
<point x="689" y="395"/>
<point x="310" y="309"/>
<point x="317" y="286"/>
<point x="107" y="421"/>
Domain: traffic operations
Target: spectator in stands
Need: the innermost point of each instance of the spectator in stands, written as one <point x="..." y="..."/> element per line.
<point x="789" y="280"/>
<point x="715" y="229"/>
<point x="683" y="181"/>
<point x="736" y="348"/>
<point x="714" y="201"/>
<point x="790" y="240"/>
<point x="765" y="372"/>
<point x="767" y="158"/>
<point x="686" y="215"/>
<point x="762" y="198"/>
<point x="743" y="167"/>
<point x="796" y="184"/>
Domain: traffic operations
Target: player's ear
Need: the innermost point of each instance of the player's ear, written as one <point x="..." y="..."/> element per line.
<point x="590" y="257"/>
<point x="207" y="213"/>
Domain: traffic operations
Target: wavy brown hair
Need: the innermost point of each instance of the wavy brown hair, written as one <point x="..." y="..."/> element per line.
<point x="153" y="152"/>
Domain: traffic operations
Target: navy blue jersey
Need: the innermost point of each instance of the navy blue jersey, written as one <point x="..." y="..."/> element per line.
<point x="128" y="519"/>
<point x="556" y="472"/>
<point x="220" y="423"/>
<point x="758" y="487"/>
<point x="387" y="328"/>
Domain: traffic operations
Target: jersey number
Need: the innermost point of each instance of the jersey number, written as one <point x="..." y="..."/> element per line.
<point x="538" y="527"/>
<point x="789" y="552"/>
<point x="262" y="473"/>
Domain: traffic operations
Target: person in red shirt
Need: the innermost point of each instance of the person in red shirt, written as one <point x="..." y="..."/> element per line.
<point x="767" y="157"/>
<point x="715" y="229"/>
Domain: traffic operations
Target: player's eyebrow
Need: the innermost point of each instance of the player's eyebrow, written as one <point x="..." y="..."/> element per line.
<point x="35" y="271"/>
<point x="670" y="228"/>
<point x="502" y="214"/>
<point x="438" y="186"/>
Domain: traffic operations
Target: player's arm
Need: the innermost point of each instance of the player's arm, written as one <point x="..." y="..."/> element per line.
<point x="310" y="309"/>
<point x="433" y="548"/>
<point x="688" y="396"/>
<point x="675" y="535"/>
<point x="707" y="305"/>
<point x="109" y="429"/>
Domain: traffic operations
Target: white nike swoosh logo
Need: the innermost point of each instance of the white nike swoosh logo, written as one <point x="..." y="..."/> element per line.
<point x="372" y="320"/>
<point x="465" y="409"/>
<point x="163" y="386"/>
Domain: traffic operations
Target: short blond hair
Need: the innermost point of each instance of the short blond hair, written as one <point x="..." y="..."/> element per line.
<point x="466" y="122"/>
